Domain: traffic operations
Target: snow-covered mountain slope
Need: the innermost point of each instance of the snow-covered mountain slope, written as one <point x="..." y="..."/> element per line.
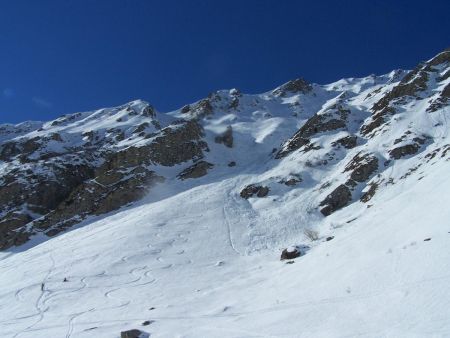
<point x="179" y="218"/>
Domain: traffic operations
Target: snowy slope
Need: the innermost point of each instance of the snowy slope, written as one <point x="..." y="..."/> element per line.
<point x="196" y="259"/>
<point x="376" y="278"/>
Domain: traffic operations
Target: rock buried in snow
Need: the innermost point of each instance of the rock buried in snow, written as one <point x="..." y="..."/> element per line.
<point x="133" y="334"/>
<point x="293" y="252"/>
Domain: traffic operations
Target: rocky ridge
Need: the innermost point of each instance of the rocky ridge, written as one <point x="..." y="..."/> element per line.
<point x="343" y="141"/>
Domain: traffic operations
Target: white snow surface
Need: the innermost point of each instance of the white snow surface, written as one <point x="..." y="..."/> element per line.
<point x="197" y="260"/>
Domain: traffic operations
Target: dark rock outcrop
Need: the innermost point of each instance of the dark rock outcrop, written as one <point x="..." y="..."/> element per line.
<point x="132" y="334"/>
<point x="294" y="252"/>
<point x="94" y="198"/>
<point x="201" y="109"/>
<point x="412" y="85"/>
<point x="291" y="181"/>
<point x="405" y="150"/>
<point x="252" y="189"/>
<point x="290" y="254"/>
<point x="362" y="167"/>
<point x="89" y="173"/>
<point x="335" y="118"/>
<point x="173" y="145"/>
<point x="348" y="142"/>
<point x="336" y="200"/>
<point x="367" y="196"/>
<point x="294" y="86"/>
<point x="10" y="229"/>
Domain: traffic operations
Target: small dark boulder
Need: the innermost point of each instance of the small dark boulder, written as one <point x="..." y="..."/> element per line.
<point x="293" y="252"/>
<point x="329" y="238"/>
<point x="289" y="253"/>
<point x="232" y="164"/>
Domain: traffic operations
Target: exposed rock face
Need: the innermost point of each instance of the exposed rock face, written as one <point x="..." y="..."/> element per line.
<point x="197" y="170"/>
<point x="95" y="198"/>
<point x="362" y="167"/>
<point x="174" y="145"/>
<point x="38" y="191"/>
<point x="226" y="138"/>
<point x="251" y="190"/>
<point x="338" y="199"/>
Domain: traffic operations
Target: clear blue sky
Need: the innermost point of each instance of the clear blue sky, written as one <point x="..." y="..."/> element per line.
<point x="66" y="56"/>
